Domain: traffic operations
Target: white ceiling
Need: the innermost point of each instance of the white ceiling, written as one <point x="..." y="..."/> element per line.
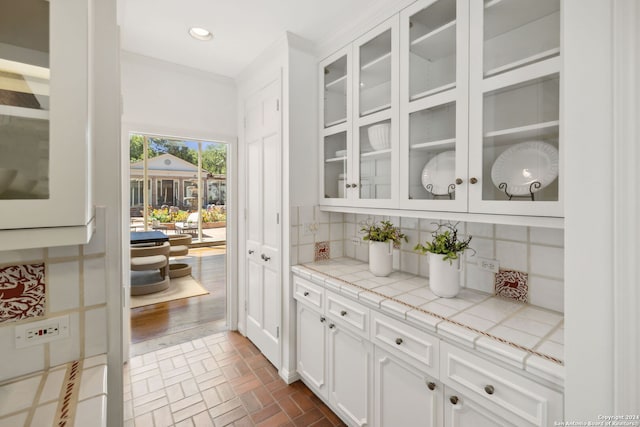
<point x="242" y="28"/>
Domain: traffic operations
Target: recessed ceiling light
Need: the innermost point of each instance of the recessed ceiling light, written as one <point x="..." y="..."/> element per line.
<point x="200" y="33"/>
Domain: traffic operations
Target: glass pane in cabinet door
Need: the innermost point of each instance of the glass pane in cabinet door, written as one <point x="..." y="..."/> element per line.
<point x="24" y="100"/>
<point x="519" y="32"/>
<point x="375" y="161"/>
<point x="520" y="141"/>
<point x="335" y="92"/>
<point x="375" y="74"/>
<point x="335" y="166"/>
<point x="432" y="155"/>
<point x="432" y="53"/>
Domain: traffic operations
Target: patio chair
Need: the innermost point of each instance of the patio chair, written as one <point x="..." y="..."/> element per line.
<point x="179" y="247"/>
<point x="190" y="226"/>
<point x="153" y="260"/>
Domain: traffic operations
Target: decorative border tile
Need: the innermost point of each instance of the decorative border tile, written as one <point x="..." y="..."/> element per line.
<point x="512" y="284"/>
<point x="22" y="292"/>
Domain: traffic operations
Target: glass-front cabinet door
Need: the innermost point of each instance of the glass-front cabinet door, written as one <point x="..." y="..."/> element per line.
<point x="434" y="99"/>
<point x="44" y="145"/>
<point x="515" y="148"/>
<point x="335" y="127"/>
<point x="376" y="116"/>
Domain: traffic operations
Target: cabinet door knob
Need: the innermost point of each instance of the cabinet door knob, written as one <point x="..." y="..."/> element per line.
<point x="343" y="313"/>
<point x="348" y="185"/>
<point x="458" y="181"/>
<point x="306" y="293"/>
<point x="473" y="180"/>
<point x="454" y="400"/>
<point x="331" y="326"/>
<point x="323" y="319"/>
<point x="431" y="385"/>
<point x="489" y="389"/>
<point x="264" y="257"/>
<point x="354" y="185"/>
<point x="251" y="251"/>
<point x="398" y="341"/>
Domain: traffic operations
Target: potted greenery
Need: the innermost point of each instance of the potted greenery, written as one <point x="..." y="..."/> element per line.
<point x="382" y="237"/>
<point x="444" y="259"/>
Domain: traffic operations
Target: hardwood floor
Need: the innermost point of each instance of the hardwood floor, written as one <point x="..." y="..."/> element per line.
<point x="186" y="316"/>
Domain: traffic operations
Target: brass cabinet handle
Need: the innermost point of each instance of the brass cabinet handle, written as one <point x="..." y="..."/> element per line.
<point x="343" y="313"/>
<point x="458" y="181"/>
<point x="306" y="294"/>
<point x="473" y="180"/>
<point x="431" y="385"/>
<point x="399" y="341"/>
<point x="454" y="400"/>
<point x="489" y="389"/>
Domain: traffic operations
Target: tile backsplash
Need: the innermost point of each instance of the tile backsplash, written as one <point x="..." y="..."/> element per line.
<point x="75" y="286"/>
<point x="537" y="252"/>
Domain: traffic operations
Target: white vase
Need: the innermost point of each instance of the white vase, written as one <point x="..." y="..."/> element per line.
<point x="380" y="258"/>
<point x="444" y="276"/>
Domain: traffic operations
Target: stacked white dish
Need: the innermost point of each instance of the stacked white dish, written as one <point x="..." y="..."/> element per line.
<point x="379" y="136"/>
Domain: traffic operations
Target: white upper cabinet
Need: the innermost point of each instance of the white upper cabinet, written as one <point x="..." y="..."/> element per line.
<point x="515" y="112"/>
<point x="44" y="122"/>
<point x="434" y="99"/>
<point x="463" y="114"/>
<point x="360" y="117"/>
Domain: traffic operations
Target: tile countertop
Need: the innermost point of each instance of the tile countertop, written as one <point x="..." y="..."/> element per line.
<point x="73" y="394"/>
<point x="521" y="335"/>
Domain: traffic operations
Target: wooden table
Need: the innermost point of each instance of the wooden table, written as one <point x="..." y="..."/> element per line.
<point x="157" y="237"/>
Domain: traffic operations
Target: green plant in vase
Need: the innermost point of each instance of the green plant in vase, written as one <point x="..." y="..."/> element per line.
<point x="445" y="242"/>
<point x="382" y="237"/>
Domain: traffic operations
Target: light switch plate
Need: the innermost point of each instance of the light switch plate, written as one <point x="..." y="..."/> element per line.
<point x="42" y="331"/>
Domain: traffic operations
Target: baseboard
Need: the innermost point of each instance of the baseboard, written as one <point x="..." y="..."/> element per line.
<point x="288" y="376"/>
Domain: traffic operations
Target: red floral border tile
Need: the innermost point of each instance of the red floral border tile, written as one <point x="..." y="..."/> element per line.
<point x="512" y="284"/>
<point x="322" y="251"/>
<point x="22" y="292"/>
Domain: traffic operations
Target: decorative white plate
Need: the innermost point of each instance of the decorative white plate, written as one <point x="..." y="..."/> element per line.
<point x="523" y="164"/>
<point x="440" y="172"/>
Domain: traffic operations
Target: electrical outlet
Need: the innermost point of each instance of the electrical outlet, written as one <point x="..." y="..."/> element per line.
<point x="489" y="264"/>
<point x="43" y="331"/>
<point x="356" y="240"/>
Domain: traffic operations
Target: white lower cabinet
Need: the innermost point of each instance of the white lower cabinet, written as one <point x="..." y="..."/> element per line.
<point x="404" y="396"/>
<point x="311" y="348"/>
<point x="386" y="373"/>
<point x="350" y="360"/>
<point x="461" y="411"/>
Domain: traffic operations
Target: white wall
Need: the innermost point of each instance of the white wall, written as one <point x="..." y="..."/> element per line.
<point x="178" y="100"/>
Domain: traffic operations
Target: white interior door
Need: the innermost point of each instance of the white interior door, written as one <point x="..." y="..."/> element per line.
<point x="264" y="185"/>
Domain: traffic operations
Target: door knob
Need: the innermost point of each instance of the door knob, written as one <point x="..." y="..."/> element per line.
<point x="473" y="180"/>
<point x="354" y="185"/>
<point x="306" y="293"/>
<point x="264" y="257"/>
<point x="343" y="313"/>
<point x="331" y="326"/>
<point x="399" y="341"/>
<point x="454" y="400"/>
<point x="458" y="181"/>
<point x="348" y="185"/>
<point x="323" y="319"/>
<point x="431" y="385"/>
<point x="251" y="251"/>
<point x="489" y="389"/>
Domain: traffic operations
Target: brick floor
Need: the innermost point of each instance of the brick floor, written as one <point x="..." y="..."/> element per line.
<point x="219" y="380"/>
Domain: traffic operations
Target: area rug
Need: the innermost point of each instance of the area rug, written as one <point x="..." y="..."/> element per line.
<point x="181" y="287"/>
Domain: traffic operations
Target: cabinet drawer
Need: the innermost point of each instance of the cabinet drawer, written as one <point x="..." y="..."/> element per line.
<point x="412" y="345"/>
<point x="348" y="313"/>
<point x="307" y="292"/>
<point x="527" y="402"/>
